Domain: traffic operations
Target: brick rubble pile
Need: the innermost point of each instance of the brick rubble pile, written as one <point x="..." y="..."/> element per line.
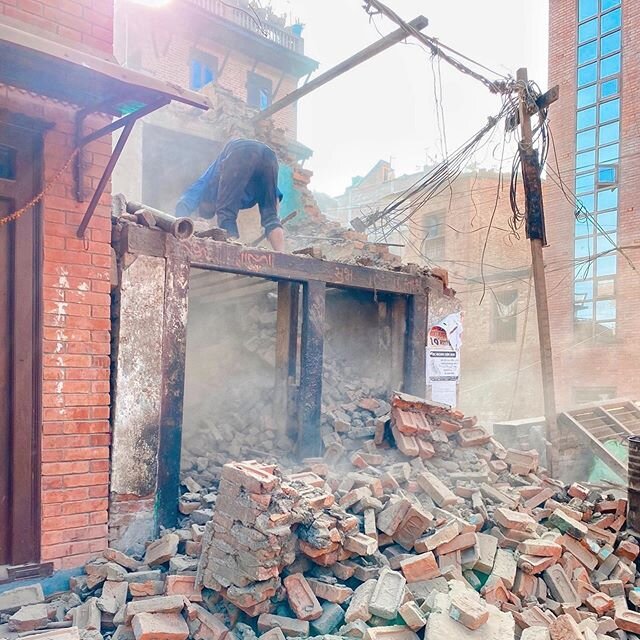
<point x="429" y="529"/>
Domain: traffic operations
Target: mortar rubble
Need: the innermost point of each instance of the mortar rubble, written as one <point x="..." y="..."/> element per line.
<point x="416" y="523"/>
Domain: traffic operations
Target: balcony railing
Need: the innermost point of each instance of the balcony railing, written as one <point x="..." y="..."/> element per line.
<point x="243" y="18"/>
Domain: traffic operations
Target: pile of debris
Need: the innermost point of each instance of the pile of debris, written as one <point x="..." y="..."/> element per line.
<point x="430" y="527"/>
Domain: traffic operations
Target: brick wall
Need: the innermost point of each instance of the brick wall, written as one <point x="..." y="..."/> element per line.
<point x="583" y="363"/>
<point x="77" y="22"/>
<point x="76" y="345"/>
<point x="489" y="385"/>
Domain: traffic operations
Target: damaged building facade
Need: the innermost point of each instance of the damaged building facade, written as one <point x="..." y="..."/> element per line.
<point x="59" y="103"/>
<point x="495" y="291"/>
<point x="241" y="63"/>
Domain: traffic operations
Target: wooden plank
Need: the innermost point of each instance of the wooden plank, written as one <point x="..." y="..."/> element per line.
<point x="596" y="447"/>
<point x="310" y="392"/>
<point x="284" y="344"/>
<point x="174" y="341"/>
<point x="234" y="258"/>
<point x="415" y="375"/>
<point x="398" y="334"/>
<point x="6" y="338"/>
<point x="617" y="423"/>
<point x="21" y="320"/>
<point x="293" y="327"/>
<point x="365" y="54"/>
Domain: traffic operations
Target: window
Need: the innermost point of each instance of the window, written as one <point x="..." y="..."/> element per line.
<point x="505" y="319"/>
<point x="7" y="163"/>
<point x="587" y="96"/>
<point x="586" y="395"/>
<point x="599" y="63"/>
<point x="587" y="9"/>
<point x="586" y="118"/>
<point x="203" y="70"/>
<point x="610" y="66"/>
<point x="433" y="243"/>
<point x="607" y="176"/>
<point x="259" y="91"/>
<point x="587" y="74"/>
<point x="587" y="31"/>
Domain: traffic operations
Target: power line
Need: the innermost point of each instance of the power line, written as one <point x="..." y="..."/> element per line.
<point x="495" y="86"/>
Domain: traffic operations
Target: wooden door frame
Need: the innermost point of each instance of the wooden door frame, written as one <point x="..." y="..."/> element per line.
<point x="26" y="523"/>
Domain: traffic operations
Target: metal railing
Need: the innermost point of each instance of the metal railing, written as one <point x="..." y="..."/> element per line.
<point x="262" y="27"/>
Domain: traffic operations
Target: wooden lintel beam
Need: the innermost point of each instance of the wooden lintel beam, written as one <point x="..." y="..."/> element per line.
<point x="205" y="253"/>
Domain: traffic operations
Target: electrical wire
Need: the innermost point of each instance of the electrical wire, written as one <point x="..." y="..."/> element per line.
<point x="373" y="7"/>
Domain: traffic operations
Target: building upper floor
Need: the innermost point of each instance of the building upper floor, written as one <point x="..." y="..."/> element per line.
<point x="210" y="45"/>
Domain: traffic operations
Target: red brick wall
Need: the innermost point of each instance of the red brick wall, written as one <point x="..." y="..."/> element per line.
<point x="86" y="22"/>
<point x="585" y="363"/>
<point x="76" y="345"/>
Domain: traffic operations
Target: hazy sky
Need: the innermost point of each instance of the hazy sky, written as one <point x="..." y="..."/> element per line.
<point x="386" y="108"/>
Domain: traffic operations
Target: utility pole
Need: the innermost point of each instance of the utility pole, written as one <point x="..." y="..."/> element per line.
<point x="535" y="229"/>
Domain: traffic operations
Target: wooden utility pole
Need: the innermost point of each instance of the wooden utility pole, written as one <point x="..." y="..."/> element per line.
<point x="535" y="229"/>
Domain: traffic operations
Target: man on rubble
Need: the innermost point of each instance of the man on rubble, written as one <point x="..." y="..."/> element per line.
<point x="243" y="175"/>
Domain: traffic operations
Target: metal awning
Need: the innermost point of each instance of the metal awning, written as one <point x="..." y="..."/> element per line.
<point x="42" y="64"/>
<point x="50" y="68"/>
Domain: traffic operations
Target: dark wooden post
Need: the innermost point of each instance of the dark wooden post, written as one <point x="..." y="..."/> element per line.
<point x="286" y="351"/>
<point x="310" y="394"/>
<point x="398" y="336"/>
<point x="174" y="342"/>
<point x="415" y="375"/>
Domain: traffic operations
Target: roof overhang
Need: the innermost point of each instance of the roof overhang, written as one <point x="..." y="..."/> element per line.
<point x="41" y="64"/>
<point x="48" y="67"/>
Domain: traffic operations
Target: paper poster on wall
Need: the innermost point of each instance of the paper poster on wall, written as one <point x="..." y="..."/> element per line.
<point x="443" y="358"/>
<point x="444" y="392"/>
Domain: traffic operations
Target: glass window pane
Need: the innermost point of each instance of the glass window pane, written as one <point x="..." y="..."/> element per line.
<point x="587" y="31"/>
<point x="584" y="226"/>
<point x="585" y="160"/>
<point x="609" y="88"/>
<point x="608" y="4"/>
<point x="586" y="139"/>
<point x="609" y="154"/>
<point x="7" y="163"/>
<point x="605" y="310"/>
<point x="606" y="265"/>
<point x="610" y="21"/>
<point x="606" y="288"/>
<point x="587" y="96"/>
<point x="587" y="74"/>
<point x="583" y="290"/>
<point x="610" y="110"/>
<point x="606" y="243"/>
<point x="607" y="199"/>
<point x="610" y="44"/>
<point x="586" y="118"/>
<point x="587" y="9"/>
<point x="583" y="247"/>
<point x="583" y="311"/>
<point x="609" y="133"/>
<point x="584" y="270"/>
<point x="607" y="175"/>
<point x="608" y="221"/>
<point x="610" y="66"/>
<point x="585" y="183"/>
<point x="588" y="52"/>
